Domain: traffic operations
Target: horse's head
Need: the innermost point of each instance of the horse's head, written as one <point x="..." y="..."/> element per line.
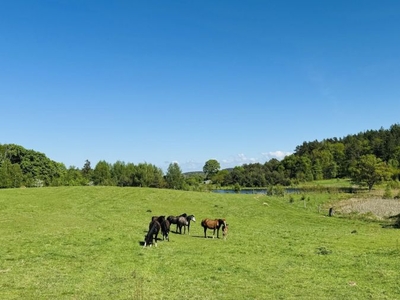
<point x="192" y="218"/>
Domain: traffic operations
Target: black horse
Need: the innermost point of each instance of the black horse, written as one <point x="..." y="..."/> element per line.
<point x="175" y="219"/>
<point x="185" y="222"/>
<point x="165" y="226"/>
<point x="151" y="236"/>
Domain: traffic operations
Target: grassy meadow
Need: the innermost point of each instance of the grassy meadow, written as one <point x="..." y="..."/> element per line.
<point x="85" y="243"/>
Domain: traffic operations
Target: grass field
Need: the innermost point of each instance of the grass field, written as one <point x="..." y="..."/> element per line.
<point x="85" y="243"/>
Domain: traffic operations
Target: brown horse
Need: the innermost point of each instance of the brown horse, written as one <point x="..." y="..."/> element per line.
<point x="213" y="224"/>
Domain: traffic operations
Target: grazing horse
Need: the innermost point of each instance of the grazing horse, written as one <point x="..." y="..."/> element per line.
<point x="154" y="228"/>
<point x="213" y="224"/>
<point x="225" y="231"/>
<point x="174" y="220"/>
<point x="185" y="222"/>
<point x="165" y="225"/>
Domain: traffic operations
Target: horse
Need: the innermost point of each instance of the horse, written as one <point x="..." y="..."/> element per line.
<point x="213" y="224"/>
<point x="154" y="229"/>
<point x="174" y="220"/>
<point x="185" y="222"/>
<point x="165" y="226"/>
<point x="225" y="231"/>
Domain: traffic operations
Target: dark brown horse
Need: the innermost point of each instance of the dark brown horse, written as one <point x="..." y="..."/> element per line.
<point x="165" y="225"/>
<point x="151" y="236"/>
<point x="213" y="224"/>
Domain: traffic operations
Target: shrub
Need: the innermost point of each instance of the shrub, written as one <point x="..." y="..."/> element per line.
<point x="388" y="192"/>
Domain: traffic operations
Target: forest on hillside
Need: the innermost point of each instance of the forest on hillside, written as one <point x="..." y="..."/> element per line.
<point x="367" y="158"/>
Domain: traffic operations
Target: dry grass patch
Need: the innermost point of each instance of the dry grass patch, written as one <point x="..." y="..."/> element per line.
<point x="381" y="208"/>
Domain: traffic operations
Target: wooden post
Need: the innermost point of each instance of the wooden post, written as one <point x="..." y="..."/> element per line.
<point x="331" y="212"/>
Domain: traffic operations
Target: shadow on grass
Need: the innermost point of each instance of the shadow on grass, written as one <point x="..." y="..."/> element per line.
<point x="208" y="237"/>
<point x="141" y="243"/>
<point x="395" y="224"/>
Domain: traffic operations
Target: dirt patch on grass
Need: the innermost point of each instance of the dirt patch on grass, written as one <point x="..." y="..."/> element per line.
<point x="381" y="208"/>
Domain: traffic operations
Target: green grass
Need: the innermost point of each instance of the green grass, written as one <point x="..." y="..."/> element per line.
<point x="84" y="243"/>
<point x="336" y="182"/>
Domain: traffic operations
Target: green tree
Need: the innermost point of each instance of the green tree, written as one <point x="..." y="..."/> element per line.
<point x="194" y="181"/>
<point x="368" y="171"/>
<point x="121" y="174"/>
<point x="174" y="177"/>
<point x="148" y="175"/>
<point x="219" y="178"/>
<point x="102" y="173"/>
<point x="237" y="175"/>
<point x="73" y="177"/>
<point x="304" y="169"/>
<point x="10" y="175"/>
<point x="211" y="168"/>
<point x="87" y="171"/>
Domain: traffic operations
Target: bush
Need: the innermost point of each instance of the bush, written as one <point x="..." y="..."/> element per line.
<point x="237" y="187"/>
<point x="388" y="192"/>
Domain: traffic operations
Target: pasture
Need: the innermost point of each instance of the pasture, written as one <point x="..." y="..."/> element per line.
<point x="86" y="243"/>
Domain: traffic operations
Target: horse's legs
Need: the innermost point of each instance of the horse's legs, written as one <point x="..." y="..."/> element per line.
<point x="214" y="233"/>
<point x="205" y="230"/>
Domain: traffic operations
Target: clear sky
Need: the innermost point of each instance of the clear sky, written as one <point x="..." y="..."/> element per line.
<point x="188" y="81"/>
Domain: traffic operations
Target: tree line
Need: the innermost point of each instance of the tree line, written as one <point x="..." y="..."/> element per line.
<point x="367" y="158"/>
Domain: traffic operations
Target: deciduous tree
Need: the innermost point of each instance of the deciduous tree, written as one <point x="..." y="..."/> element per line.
<point x="368" y="171"/>
<point x="211" y="168"/>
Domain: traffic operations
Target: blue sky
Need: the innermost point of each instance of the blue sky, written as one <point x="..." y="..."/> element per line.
<point x="189" y="81"/>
